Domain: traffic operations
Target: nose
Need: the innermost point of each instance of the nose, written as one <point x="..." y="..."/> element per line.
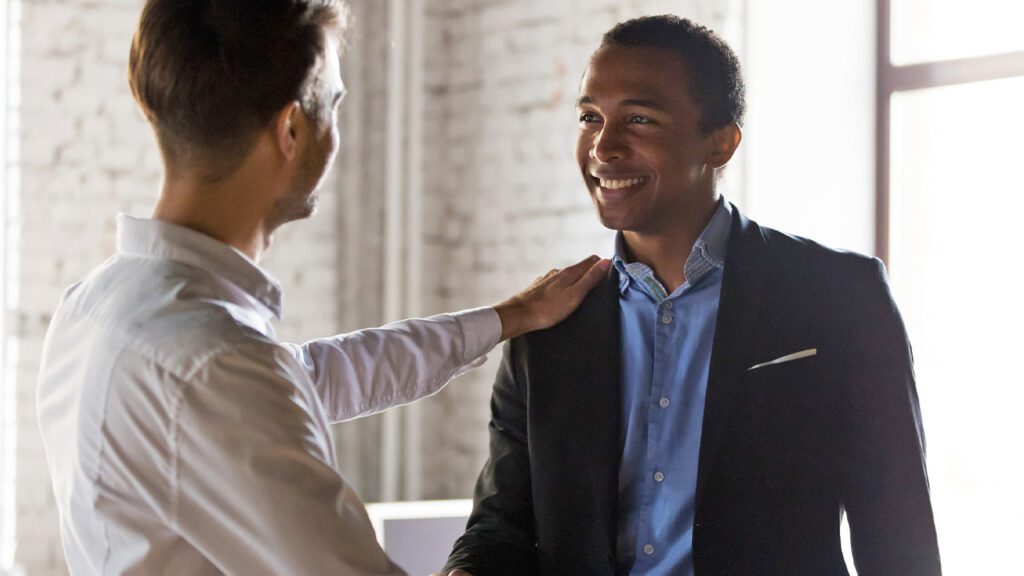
<point x="609" y="145"/>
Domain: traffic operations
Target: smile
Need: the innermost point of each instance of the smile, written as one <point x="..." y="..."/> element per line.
<point x="621" y="184"/>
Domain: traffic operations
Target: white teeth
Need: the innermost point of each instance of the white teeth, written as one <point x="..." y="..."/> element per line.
<point x="618" y="184"/>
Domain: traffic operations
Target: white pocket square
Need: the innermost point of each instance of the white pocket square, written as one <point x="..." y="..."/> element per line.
<point x="786" y="358"/>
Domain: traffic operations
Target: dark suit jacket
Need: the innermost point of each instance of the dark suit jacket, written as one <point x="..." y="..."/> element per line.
<point x="785" y="449"/>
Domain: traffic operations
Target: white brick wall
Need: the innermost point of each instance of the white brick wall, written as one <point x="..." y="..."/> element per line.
<point x="503" y="202"/>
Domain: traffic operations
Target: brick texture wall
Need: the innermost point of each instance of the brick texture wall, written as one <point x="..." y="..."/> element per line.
<point x="503" y="202"/>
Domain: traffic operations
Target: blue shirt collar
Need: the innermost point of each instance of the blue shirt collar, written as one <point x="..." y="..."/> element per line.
<point x="708" y="254"/>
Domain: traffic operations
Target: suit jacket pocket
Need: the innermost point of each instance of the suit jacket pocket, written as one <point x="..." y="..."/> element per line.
<point x="786" y="424"/>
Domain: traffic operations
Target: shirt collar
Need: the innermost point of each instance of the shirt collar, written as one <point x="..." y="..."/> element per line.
<point x="160" y="239"/>
<point x="708" y="253"/>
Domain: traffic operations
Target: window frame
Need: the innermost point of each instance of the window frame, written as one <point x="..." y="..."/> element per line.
<point x="892" y="79"/>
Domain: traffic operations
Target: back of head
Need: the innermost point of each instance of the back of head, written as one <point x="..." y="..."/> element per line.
<point x="209" y="74"/>
<point x="716" y="83"/>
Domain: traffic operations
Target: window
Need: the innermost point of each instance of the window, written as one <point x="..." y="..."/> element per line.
<point x="951" y="83"/>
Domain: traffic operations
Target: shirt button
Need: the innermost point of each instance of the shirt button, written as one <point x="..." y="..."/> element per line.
<point x="667" y="305"/>
<point x="648" y="549"/>
<point x="666" y="319"/>
<point x="659" y="477"/>
<point x="664" y="402"/>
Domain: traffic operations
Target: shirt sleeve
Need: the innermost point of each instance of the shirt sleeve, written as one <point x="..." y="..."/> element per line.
<point x="251" y="487"/>
<point x="370" y="370"/>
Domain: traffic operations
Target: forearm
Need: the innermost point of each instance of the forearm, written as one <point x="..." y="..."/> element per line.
<point x="370" y="370"/>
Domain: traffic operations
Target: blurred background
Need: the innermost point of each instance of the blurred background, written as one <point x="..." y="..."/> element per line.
<point x="888" y="127"/>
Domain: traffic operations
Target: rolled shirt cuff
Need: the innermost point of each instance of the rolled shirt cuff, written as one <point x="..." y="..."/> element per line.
<point x="481" y="332"/>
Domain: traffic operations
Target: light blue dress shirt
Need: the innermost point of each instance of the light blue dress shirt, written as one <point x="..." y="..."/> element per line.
<point x="666" y="353"/>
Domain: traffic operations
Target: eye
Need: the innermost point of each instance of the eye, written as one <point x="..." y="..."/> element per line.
<point x="588" y="117"/>
<point x="638" y="119"/>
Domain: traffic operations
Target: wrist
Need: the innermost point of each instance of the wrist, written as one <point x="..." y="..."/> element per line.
<point x="513" y="316"/>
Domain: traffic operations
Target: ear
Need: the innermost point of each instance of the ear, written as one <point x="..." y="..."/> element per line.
<point x="286" y="127"/>
<point x="722" y="144"/>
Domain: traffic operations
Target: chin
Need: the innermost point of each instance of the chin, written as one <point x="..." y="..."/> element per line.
<point x="301" y="213"/>
<point x="617" y="224"/>
<point x="612" y="219"/>
<point x="292" y="210"/>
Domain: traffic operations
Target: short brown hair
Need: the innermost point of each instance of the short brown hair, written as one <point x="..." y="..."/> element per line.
<point x="209" y="74"/>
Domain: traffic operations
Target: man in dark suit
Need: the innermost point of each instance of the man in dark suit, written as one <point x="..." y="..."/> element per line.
<point x="727" y="394"/>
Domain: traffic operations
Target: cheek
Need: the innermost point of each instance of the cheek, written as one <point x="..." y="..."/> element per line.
<point x="330" y="144"/>
<point x="582" y="151"/>
<point x="583" y="163"/>
<point x="675" y="160"/>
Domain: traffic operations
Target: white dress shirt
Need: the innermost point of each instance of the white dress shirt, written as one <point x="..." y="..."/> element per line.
<point x="182" y="438"/>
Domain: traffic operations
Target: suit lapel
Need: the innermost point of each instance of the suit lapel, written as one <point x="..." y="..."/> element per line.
<point x="738" y="312"/>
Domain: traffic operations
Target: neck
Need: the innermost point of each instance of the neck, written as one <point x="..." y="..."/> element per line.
<point x="666" y="251"/>
<point x="234" y="209"/>
<point x="231" y="210"/>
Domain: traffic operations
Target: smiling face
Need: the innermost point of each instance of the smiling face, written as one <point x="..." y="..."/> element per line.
<point x="640" y="148"/>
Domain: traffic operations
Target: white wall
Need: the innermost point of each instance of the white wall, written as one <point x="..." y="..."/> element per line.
<point x="809" y="139"/>
<point x="8" y="402"/>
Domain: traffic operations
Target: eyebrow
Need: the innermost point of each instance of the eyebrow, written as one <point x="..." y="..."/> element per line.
<point x="638" y="102"/>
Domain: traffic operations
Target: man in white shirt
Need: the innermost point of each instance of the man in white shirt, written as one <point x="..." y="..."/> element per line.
<point x="182" y="438"/>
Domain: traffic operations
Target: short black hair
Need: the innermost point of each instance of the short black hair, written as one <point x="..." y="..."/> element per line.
<point x="716" y="83"/>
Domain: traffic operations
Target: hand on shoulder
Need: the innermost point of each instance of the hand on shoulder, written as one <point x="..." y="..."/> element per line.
<point x="550" y="298"/>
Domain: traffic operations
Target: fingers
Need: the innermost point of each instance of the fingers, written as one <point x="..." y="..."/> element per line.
<point x="576" y="271"/>
<point x="592" y="276"/>
<point x="586" y="273"/>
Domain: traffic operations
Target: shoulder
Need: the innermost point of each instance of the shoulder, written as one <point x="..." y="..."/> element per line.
<point x="591" y="332"/>
<point x="790" y="248"/>
<point x="806" y="281"/>
<point x="793" y="259"/>
<point x="169" y="313"/>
